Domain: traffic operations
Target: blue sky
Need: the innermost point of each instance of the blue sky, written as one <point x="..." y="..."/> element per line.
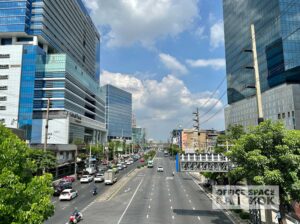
<point x="169" y="54"/>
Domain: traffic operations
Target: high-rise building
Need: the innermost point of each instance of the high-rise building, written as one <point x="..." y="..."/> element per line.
<point x="277" y="30"/>
<point x="49" y="49"/>
<point x="118" y="112"/>
<point x="139" y="136"/>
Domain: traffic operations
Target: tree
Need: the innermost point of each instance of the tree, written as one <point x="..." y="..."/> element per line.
<point x="24" y="198"/>
<point x="269" y="155"/>
<point x="43" y="159"/>
<point x="97" y="151"/>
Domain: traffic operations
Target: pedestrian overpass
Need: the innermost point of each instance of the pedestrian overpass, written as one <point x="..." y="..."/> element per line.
<point x="204" y="162"/>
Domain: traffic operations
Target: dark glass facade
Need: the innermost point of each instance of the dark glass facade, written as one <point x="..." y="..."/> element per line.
<point x="30" y="54"/>
<point x="118" y="112"/>
<point x="278" y="44"/>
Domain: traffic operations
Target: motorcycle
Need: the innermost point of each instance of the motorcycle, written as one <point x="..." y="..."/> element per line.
<point x="94" y="192"/>
<point x="75" y="218"/>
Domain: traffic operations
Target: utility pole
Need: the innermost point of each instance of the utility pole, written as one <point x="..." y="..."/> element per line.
<point x="75" y="168"/>
<point x="46" y="129"/>
<point x="256" y="72"/>
<point x="197" y="126"/>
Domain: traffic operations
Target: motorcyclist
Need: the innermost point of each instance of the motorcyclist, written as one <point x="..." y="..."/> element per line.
<point x="76" y="212"/>
<point x="95" y="190"/>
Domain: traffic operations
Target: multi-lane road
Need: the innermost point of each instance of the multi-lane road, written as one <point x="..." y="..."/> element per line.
<point x="156" y="198"/>
<point x="63" y="209"/>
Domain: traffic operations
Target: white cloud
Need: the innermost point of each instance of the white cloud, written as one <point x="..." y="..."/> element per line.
<point x="216" y="64"/>
<point x="136" y="21"/>
<point x="161" y="106"/>
<point x="200" y="32"/>
<point x="172" y="63"/>
<point x="217" y="35"/>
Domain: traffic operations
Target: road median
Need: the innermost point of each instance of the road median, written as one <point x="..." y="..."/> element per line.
<point x="115" y="188"/>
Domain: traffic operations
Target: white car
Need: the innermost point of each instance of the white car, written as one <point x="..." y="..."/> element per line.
<point x="86" y="179"/>
<point x="68" y="194"/>
<point x="160" y="169"/>
<point x="128" y="163"/>
<point x="124" y="164"/>
<point x="99" y="177"/>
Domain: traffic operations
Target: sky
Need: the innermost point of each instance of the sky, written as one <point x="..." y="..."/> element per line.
<point x="170" y="55"/>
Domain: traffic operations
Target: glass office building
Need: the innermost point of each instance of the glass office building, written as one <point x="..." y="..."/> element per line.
<point x="139" y="136"/>
<point x="54" y="25"/>
<point x="118" y="112"/>
<point x="278" y="47"/>
<point x="50" y="49"/>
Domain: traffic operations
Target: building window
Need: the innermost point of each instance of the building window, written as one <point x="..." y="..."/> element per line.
<point x="293" y="114"/>
<point x="83" y="58"/>
<point x="4" y="66"/>
<point x="283" y="115"/>
<point x="3" y="87"/>
<point x="4" y="56"/>
<point x="2" y="77"/>
<point x="6" y="41"/>
<point x="279" y="116"/>
<point x="24" y="39"/>
<point x="2" y="107"/>
<point x="289" y="114"/>
<point x="3" y="98"/>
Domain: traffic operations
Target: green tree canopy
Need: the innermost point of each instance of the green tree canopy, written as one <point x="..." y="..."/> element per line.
<point x="269" y="155"/>
<point x="24" y="198"/>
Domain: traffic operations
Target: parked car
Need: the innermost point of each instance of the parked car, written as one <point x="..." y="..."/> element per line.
<point x="69" y="178"/>
<point x="160" y="169"/>
<point x="99" y="177"/>
<point x="124" y="164"/>
<point x="68" y="194"/>
<point x="62" y="185"/>
<point x="86" y="179"/>
<point x="142" y="160"/>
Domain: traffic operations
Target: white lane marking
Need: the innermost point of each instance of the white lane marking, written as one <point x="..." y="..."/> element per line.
<point x="171" y="207"/>
<point x="190" y="201"/>
<point x="150" y="199"/>
<point x="170" y="200"/>
<point x="149" y="207"/>
<point x="169" y="194"/>
<point x="228" y="216"/>
<point x="198" y="218"/>
<point x="187" y="195"/>
<point x="184" y="190"/>
<point x="147" y="216"/>
<point x="130" y="201"/>
<point x="173" y="217"/>
<point x="193" y="208"/>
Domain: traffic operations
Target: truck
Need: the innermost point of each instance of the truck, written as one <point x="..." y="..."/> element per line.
<point x="110" y="177"/>
<point x="150" y="164"/>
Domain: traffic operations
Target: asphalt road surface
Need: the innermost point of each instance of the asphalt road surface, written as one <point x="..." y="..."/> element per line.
<point x="156" y="198"/>
<point x="63" y="209"/>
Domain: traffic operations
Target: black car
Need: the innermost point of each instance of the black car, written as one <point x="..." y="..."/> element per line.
<point x="62" y="185"/>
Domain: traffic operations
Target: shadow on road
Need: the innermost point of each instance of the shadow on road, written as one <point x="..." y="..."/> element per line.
<point x="220" y="218"/>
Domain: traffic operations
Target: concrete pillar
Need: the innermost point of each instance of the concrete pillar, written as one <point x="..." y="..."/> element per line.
<point x="45" y="47"/>
<point x="14" y="40"/>
<point x="35" y="40"/>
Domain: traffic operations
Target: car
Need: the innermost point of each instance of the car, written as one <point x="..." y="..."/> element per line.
<point x="142" y="160"/>
<point x="99" y="177"/>
<point x="160" y="169"/>
<point x="128" y="162"/>
<point x="69" y="178"/>
<point x="86" y="179"/>
<point x="120" y="167"/>
<point x="124" y="164"/>
<point x="68" y="194"/>
<point x="62" y="185"/>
